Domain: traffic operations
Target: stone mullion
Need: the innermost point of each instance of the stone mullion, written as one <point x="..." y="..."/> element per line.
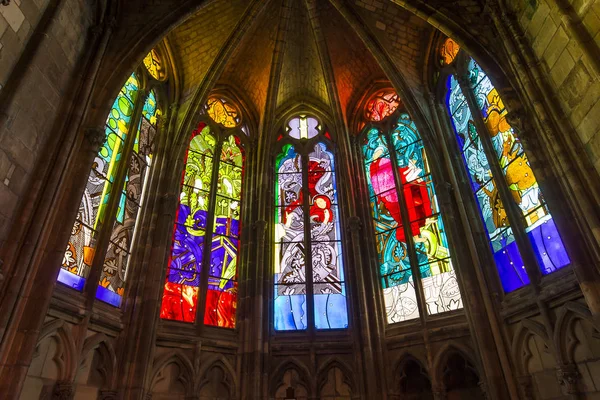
<point x="308" y="272"/>
<point x="105" y="230"/>
<point x="410" y="245"/>
<point x="367" y="280"/>
<point x="481" y="312"/>
<point x="208" y="233"/>
<point x="515" y="216"/>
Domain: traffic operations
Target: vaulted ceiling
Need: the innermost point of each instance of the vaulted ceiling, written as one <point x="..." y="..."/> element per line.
<point x="275" y="52"/>
<point x="296" y="46"/>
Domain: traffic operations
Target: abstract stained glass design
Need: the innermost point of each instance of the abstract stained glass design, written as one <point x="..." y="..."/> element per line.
<point x="381" y="106"/>
<point x="91" y="216"/>
<point x="112" y="280"/>
<point x="153" y="65"/>
<point x="519" y="177"/>
<point x="220" y="111"/>
<point x="312" y="201"/>
<point x="192" y="238"/>
<point x="448" y="51"/>
<point x="425" y="220"/>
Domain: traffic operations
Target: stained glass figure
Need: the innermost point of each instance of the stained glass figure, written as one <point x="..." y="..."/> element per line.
<point x="91" y="216"/>
<point x="112" y="279"/>
<point x="307" y="236"/>
<point x="448" y="51"/>
<point x="411" y="178"/>
<point x="303" y="127"/>
<point x="382" y="105"/>
<point x="518" y="175"/>
<point x="223" y="112"/>
<point x="153" y="65"/>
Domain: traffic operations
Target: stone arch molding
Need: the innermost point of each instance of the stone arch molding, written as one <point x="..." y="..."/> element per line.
<point x="520" y="352"/>
<point x="65" y="357"/>
<point x="101" y="342"/>
<point x="221" y="362"/>
<point x="291" y="364"/>
<point x="449" y="348"/>
<point x="564" y="335"/>
<point x="186" y="375"/>
<point x="331" y="363"/>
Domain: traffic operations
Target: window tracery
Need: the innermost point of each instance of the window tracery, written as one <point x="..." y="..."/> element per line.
<point x="104" y="230"/>
<point x="309" y="279"/>
<point x="207" y="232"/>
<point x="414" y="257"/>
<point x="519" y="225"/>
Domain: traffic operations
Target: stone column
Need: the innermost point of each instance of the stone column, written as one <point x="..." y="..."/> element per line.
<point x="526" y="387"/>
<point x="33" y="298"/>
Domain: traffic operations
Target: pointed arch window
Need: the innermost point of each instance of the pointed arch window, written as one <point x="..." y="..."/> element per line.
<point x="414" y="258"/>
<point x="310" y="290"/>
<point x="519" y="225"/>
<point x="207" y="231"/>
<point x="104" y="230"/>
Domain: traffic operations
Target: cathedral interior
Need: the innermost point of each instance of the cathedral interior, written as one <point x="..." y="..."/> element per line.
<point x="205" y="199"/>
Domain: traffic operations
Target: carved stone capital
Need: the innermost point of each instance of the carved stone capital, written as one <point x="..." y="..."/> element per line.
<point x="108" y="395"/>
<point x="95" y="137"/>
<point x="63" y="390"/>
<point x="439" y="393"/>
<point x="526" y="387"/>
<point x="4" y="2"/>
<point x="568" y="376"/>
<point x="484" y="389"/>
<point x="354" y="224"/>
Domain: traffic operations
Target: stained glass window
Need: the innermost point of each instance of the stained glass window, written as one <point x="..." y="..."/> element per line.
<point x="91" y="216"/>
<point x="114" y="272"/>
<point x="223" y="112"/>
<point x="309" y="272"/>
<point x="303" y="127"/>
<point x="510" y="158"/>
<point x="381" y="106"/>
<point x="103" y="233"/>
<point x="448" y="51"/>
<point x="153" y="65"/>
<point x="206" y="236"/>
<point x="400" y="183"/>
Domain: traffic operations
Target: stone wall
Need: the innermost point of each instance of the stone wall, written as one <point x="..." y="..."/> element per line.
<point x="29" y="112"/>
<point x="566" y="39"/>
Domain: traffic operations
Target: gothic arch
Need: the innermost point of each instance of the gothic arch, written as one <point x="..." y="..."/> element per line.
<point x="291" y="364"/>
<point x="65" y="357"/>
<point x="565" y="336"/>
<point x="335" y="362"/>
<point x="186" y="369"/>
<point x="222" y="362"/>
<point x="519" y="348"/>
<point x="290" y="109"/>
<point x="101" y="342"/>
<point x="448" y="349"/>
<point x="399" y="372"/>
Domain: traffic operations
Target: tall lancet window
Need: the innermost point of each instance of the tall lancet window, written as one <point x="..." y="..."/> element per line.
<point x="310" y="291"/>
<point x="104" y="230"/>
<point x="513" y="208"/>
<point x="206" y="236"/>
<point x="413" y="254"/>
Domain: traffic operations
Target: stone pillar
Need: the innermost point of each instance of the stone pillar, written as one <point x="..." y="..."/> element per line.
<point x="439" y="392"/>
<point x="33" y="298"/>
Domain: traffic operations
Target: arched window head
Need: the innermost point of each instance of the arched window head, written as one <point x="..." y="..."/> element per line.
<point x="303" y="127"/>
<point x="382" y="105"/>
<point x="154" y="65"/>
<point x="414" y="257"/>
<point x="223" y="112"/>
<point x="104" y="230"/>
<point x="310" y="291"/>
<point x="448" y="51"/>
<point x="519" y="225"/>
<point x="206" y="237"/>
